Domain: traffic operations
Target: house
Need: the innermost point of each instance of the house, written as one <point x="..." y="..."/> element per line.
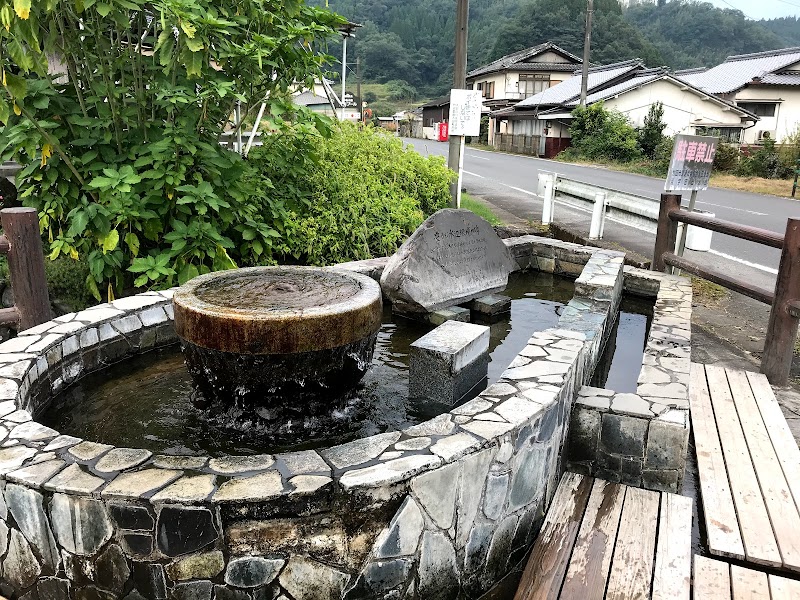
<point x="522" y="74"/>
<point x="628" y="87"/>
<point x="434" y="112"/>
<point x="322" y="99"/>
<point x="766" y="84"/>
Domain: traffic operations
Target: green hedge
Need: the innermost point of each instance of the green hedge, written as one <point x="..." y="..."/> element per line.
<point x="354" y="194"/>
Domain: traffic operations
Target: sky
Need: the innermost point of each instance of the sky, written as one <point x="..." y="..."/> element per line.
<point x="762" y="9"/>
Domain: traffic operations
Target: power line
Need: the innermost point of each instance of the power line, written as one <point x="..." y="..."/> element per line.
<point x="789" y="3"/>
<point x="739" y="9"/>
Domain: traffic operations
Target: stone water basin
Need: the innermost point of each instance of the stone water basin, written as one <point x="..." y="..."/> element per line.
<point x="439" y="509"/>
<point x="146" y="402"/>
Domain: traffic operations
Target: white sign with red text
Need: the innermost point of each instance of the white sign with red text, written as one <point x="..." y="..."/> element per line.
<point x="690" y="167"/>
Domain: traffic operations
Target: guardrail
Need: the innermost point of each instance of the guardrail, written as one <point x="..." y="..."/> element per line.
<point x="784" y="299"/>
<point x="633" y="210"/>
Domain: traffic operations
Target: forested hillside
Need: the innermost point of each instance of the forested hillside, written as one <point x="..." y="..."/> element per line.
<point x="412" y="40"/>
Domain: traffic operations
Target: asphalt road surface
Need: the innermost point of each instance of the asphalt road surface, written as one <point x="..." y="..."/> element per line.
<point x="510" y="182"/>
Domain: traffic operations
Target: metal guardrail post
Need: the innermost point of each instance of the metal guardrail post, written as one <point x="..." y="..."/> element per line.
<point x="598" y="214"/>
<point x="26" y="265"/>
<point x="796" y="176"/>
<point x="782" y="329"/>
<point x="549" y="199"/>
<point x="667" y="231"/>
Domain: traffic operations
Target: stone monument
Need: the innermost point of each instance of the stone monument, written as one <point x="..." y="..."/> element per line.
<point x="453" y="257"/>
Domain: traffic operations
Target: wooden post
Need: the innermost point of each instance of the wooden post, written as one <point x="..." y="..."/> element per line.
<point x="667" y="231"/>
<point x="26" y="265"/>
<point x="782" y="329"/>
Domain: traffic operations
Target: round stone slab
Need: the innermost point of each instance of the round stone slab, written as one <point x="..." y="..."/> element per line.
<point x="292" y="339"/>
<point x="277" y="310"/>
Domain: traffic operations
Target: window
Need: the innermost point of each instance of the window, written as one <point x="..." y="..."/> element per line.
<point x="759" y="109"/>
<point x="487" y="87"/>
<point x="729" y="135"/>
<point x="531" y="84"/>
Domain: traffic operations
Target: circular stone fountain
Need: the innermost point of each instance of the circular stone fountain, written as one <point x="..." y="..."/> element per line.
<point x="285" y="340"/>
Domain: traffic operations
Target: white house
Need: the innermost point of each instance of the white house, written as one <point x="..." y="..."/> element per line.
<point x="631" y="89"/>
<point x="765" y="83"/>
<point x="522" y="74"/>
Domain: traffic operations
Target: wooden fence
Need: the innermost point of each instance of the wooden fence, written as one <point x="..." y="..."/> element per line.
<point x="784" y="299"/>
<point x="521" y="144"/>
<point x="21" y="242"/>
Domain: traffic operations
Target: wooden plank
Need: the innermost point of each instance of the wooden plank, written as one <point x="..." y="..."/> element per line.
<point x="548" y="562"/>
<point x="591" y="559"/>
<point x="712" y="579"/>
<point x="782" y="439"/>
<point x="759" y="541"/>
<point x="783" y="589"/>
<point x="673" y="572"/>
<point x="632" y="565"/>
<point x="748" y="584"/>
<point x="722" y="526"/>
<point x="777" y="496"/>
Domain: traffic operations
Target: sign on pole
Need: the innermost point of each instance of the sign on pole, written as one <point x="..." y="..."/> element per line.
<point x="465" y="119"/>
<point x="690" y="166"/>
<point x="465" y="112"/>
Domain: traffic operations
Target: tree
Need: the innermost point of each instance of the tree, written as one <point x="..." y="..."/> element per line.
<point x="563" y="22"/>
<point x="652" y="132"/>
<point x="119" y="134"/>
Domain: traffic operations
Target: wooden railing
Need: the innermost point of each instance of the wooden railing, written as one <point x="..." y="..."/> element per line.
<point x="21" y="242"/>
<point x="784" y="299"/>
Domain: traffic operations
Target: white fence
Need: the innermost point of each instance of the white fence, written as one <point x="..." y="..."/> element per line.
<point x="636" y="211"/>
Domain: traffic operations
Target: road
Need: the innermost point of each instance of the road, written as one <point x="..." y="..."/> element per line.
<point x="510" y="182"/>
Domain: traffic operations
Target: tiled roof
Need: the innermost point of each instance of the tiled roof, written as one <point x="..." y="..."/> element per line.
<point x="738" y="71"/>
<point x="621" y="88"/>
<point x="781" y="79"/>
<point x="443" y="101"/>
<point x="516" y="60"/>
<point x="692" y="71"/>
<point x="309" y="99"/>
<point x="629" y="76"/>
<point x="571" y="88"/>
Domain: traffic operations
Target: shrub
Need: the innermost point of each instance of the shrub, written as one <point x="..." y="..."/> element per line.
<point x="358" y="194"/>
<point x="66" y="282"/>
<point x="602" y="134"/>
<point x="726" y="157"/>
<point x="652" y="132"/>
<point x="121" y="155"/>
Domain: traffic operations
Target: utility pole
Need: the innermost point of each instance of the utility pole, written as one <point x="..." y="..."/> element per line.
<point x="455" y="156"/>
<point x="587" y="43"/>
<point x="358" y="89"/>
<point x="344" y="67"/>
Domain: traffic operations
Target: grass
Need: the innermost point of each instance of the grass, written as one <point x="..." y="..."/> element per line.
<point x="756" y="185"/>
<point x="383" y="105"/>
<point x="479" y="208"/>
<point x="707" y="293"/>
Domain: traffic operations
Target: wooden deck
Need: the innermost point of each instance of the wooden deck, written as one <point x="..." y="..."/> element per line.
<point x="717" y="580"/>
<point x="603" y="540"/>
<point x="749" y="467"/>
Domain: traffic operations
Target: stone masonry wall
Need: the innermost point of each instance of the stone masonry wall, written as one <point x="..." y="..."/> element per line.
<point x="439" y="510"/>
<point x="641" y="439"/>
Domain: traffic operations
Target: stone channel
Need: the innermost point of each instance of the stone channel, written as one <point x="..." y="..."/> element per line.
<point x="442" y="509"/>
